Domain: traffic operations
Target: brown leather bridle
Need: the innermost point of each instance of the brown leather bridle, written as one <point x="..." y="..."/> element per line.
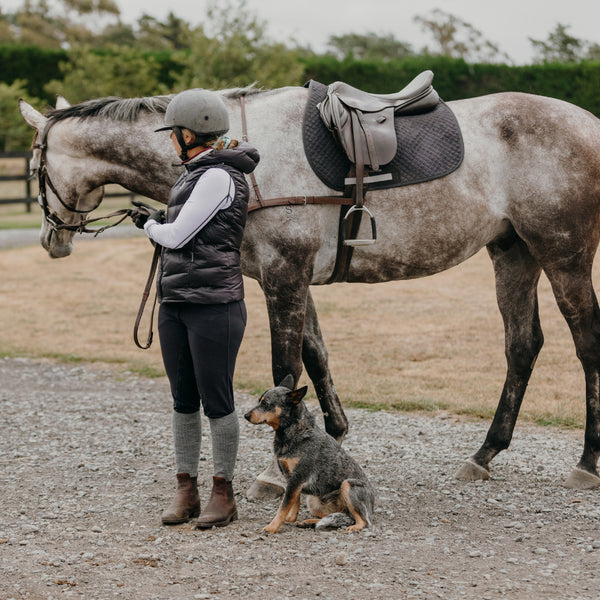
<point x="52" y="218"/>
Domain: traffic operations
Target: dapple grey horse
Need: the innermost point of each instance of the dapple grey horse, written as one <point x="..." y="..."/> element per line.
<point x="528" y="190"/>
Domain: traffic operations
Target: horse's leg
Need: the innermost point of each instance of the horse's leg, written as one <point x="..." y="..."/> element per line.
<point x="574" y="292"/>
<point x="315" y="358"/>
<point x="286" y="306"/>
<point x="517" y="275"/>
<point x="271" y="483"/>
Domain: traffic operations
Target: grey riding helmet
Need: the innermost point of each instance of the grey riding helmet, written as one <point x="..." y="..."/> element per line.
<point x="201" y="111"/>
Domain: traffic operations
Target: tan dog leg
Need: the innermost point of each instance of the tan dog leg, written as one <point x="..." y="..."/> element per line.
<point x="287" y="504"/>
<point x="359" y="522"/>
<point x="292" y="515"/>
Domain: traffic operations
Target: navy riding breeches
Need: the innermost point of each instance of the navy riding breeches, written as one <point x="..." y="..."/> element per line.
<point x="199" y="344"/>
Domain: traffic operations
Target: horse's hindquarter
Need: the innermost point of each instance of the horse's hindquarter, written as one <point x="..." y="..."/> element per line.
<point x="548" y="168"/>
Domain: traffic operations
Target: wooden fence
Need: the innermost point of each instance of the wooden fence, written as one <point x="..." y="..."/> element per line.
<point x="28" y="199"/>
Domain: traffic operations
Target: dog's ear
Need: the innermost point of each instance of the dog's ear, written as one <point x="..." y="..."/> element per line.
<point x="297" y="395"/>
<point x="288" y="382"/>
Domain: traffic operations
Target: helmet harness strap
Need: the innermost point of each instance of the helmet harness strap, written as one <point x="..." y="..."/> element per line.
<point x="185" y="147"/>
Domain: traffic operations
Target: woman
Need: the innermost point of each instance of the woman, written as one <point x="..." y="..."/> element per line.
<point x="202" y="315"/>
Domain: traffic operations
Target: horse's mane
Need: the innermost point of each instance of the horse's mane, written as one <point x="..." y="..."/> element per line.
<point x="128" y="109"/>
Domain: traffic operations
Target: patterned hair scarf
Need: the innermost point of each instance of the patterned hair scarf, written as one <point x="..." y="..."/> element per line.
<point x="222" y="143"/>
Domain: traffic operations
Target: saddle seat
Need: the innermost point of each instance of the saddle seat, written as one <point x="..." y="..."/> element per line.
<point x="417" y="96"/>
<point x="363" y="123"/>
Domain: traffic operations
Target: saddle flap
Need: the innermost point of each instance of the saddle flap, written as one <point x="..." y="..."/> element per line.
<point x="378" y="136"/>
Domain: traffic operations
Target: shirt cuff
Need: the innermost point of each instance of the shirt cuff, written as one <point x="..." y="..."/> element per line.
<point x="148" y="224"/>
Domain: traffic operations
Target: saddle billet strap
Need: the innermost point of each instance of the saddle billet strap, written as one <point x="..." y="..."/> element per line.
<point x="145" y="296"/>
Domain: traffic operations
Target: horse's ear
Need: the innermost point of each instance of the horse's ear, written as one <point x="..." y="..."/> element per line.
<point x="62" y="102"/>
<point x="288" y="382"/>
<point x="297" y="395"/>
<point x="33" y="117"/>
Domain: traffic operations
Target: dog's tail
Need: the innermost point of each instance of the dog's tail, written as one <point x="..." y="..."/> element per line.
<point x="334" y="521"/>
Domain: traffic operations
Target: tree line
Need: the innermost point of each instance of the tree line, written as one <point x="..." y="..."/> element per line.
<point x="81" y="49"/>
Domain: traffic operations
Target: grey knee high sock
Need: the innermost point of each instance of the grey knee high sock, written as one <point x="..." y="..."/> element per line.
<point x="225" y="433"/>
<point x="187" y="434"/>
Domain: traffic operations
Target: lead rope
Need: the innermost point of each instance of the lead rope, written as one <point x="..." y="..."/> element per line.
<point x="145" y="296"/>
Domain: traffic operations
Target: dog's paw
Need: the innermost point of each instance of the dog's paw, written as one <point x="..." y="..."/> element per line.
<point x="334" y="521"/>
<point x="270" y="528"/>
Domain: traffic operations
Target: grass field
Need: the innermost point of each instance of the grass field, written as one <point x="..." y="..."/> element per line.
<point x="433" y="344"/>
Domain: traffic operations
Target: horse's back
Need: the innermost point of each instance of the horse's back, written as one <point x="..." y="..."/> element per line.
<point x="530" y="162"/>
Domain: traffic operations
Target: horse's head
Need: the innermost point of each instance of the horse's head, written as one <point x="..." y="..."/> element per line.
<point x="65" y="197"/>
<point x="80" y="148"/>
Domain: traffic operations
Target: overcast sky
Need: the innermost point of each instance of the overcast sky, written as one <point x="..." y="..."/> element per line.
<point x="507" y="23"/>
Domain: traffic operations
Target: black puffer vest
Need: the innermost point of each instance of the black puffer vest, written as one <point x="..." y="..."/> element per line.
<point x="207" y="269"/>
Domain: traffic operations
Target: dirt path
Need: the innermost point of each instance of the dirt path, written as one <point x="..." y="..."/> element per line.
<point x="85" y="472"/>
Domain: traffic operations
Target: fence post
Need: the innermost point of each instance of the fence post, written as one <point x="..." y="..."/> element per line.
<point x="28" y="199"/>
<point x="28" y="182"/>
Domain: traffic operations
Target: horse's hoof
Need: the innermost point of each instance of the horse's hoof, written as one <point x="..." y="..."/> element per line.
<point x="471" y="471"/>
<point x="269" y="484"/>
<point x="582" y="480"/>
<point x="262" y="491"/>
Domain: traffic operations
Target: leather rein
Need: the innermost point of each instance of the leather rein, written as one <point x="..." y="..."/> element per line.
<point x="342" y="258"/>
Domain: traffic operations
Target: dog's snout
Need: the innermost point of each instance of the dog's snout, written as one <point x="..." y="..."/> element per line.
<point x="248" y="415"/>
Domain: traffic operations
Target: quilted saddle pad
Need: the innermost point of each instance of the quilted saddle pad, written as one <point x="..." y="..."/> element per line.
<point x="430" y="145"/>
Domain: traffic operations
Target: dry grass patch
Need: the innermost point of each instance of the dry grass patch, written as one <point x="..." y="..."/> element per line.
<point x="428" y="344"/>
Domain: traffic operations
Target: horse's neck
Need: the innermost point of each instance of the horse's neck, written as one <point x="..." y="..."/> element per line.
<point x="129" y="154"/>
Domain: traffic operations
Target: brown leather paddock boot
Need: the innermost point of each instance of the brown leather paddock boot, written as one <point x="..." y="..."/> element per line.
<point x="221" y="508"/>
<point x="186" y="503"/>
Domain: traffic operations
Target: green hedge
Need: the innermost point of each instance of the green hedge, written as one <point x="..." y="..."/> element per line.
<point x="454" y="78"/>
<point x="36" y="66"/>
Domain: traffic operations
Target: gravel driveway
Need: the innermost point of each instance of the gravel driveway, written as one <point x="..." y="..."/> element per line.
<point x="86" y="471"/>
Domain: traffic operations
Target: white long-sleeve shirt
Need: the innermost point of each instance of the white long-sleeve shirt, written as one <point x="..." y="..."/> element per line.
<point x="214" y="191"/>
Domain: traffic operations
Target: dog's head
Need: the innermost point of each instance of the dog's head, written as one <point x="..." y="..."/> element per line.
<point x="276" y="404"/>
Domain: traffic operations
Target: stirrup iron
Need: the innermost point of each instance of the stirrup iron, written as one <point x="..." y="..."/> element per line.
<point x="357" y="241"/>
